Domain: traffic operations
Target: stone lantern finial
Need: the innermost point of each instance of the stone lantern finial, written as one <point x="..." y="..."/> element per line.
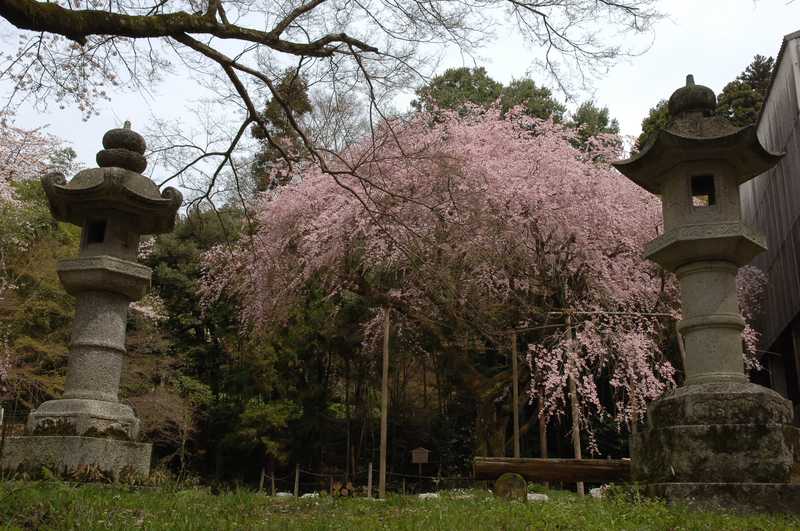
<point x="692" y="98"/>
<point x="124" y="148"/>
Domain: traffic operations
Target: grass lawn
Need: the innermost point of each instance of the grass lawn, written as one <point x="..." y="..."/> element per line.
<point x="55" y="505"/>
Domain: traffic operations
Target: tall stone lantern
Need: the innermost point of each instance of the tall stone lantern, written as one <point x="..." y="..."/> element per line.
<point x="114" y="205"/>
<point x="717" y="439"/>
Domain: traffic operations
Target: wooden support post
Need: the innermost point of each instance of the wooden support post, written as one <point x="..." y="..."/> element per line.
<point x="331" y="485"/>
<point x="573" y="398"/>
<point x="297" y="481"/>
<point x="543" y="440"/>
<point x="515" y="392"/>
<point x="272" y="481"/>
<point x="634" y="410"/>
<point x="369" y="480"/>
<point x="542" y="436"/>
<point x="403" y="490"/>
<point x="261" y="481"/>
<point x="384" y="407"/>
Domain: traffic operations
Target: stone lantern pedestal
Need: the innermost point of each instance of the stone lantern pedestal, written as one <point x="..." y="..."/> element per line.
<point x="718" y="440"/>
<point x="114" y="205"/>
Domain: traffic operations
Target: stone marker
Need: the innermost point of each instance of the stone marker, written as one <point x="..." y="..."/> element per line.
<point x="535" y="496"/>
<point x="114" y="204"/>
<point x="511" y="486"/>
<point x="718" y="439"/>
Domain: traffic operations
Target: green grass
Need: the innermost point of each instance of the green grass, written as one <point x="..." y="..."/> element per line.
<point x="55" y="505"/>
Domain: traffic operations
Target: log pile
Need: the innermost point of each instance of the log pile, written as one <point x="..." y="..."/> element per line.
<point x="339" y="489"/>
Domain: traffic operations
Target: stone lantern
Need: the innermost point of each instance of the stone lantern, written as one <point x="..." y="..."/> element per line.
<point x="114" y="204"/>
<point x="718" y="438"/>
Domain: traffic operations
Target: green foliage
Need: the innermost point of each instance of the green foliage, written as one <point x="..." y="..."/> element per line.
<point x="279" y="138"/>
<point x="262" y="426"/>
<point x="656" y="119"/>
<point x="537" y="101"/>
<point x="64" y="160"/>
<point x="741" y="99"/>
<point x="739" y="103"/>
<point x="591" y="121"/>
<point x="457" y="86"/>
<point x="35" y="311"/>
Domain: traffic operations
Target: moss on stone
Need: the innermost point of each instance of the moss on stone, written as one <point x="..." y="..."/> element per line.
<point x="59" y="426"/>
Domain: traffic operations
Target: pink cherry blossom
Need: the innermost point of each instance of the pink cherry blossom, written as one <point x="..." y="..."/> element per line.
<point x="496" y="215"/>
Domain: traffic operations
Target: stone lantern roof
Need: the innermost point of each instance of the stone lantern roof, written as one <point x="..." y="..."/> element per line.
<point x="117" y="185"/>
<point x="694" y="133"/>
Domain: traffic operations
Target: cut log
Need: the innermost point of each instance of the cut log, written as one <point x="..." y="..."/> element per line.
<point x="566" y="470"/>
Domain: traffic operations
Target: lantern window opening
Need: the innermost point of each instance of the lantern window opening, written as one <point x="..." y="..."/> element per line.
<point x="96" y="232"/>
<point x="703" y="192"/>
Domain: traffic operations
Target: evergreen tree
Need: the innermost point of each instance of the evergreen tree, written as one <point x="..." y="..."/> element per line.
<point x="457" y="86"/>
<point x="741" y="99"/>
<point x="268" y="172"/>
<point x="591" y="121"/>
<point x="537" y="101"/>
<point x="656" y="119"/>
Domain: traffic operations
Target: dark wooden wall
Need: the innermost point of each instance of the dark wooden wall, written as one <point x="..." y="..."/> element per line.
<point x="771" y="201"/>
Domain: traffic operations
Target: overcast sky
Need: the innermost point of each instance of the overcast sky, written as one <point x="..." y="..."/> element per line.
<point x="712" y="39"/>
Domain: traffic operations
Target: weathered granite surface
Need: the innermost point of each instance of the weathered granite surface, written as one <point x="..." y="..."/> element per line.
<point x="737" y="497"/>
<point x="64" y="454"/>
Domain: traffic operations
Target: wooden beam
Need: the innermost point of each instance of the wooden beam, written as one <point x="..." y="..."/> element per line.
<point x="566" y="470"/>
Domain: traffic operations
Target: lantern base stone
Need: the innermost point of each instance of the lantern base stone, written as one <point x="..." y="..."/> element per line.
<point x="76" y="416"/>
<point x="737" y="497"/>
<point x="703" y="442"/>
<point x="92" y="457"/>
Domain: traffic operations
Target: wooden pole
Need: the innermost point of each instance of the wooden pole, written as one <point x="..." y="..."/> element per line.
<point x="634" y="410"/>
<point x="297" y="481"/>
<point x="543" y="440"/>
<point x="515" y="392"/>
<point x="369" y="480"/>
<point x="542" y="436"/>
<point x="404" y="486"/>
<point x="261" y="481"/>
<point x="272" y="481"/>
<point x="573" y="398"/>
<point x="384" y="407"/>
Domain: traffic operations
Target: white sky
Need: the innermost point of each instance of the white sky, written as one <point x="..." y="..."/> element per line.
<point x="712" y="39"/>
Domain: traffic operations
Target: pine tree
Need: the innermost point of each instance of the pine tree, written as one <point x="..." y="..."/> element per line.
<point x="741" y="99"/>
<point x="269" y="171"/>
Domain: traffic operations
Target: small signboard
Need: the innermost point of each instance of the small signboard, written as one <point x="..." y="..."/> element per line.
<point x="419" y="456"/>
